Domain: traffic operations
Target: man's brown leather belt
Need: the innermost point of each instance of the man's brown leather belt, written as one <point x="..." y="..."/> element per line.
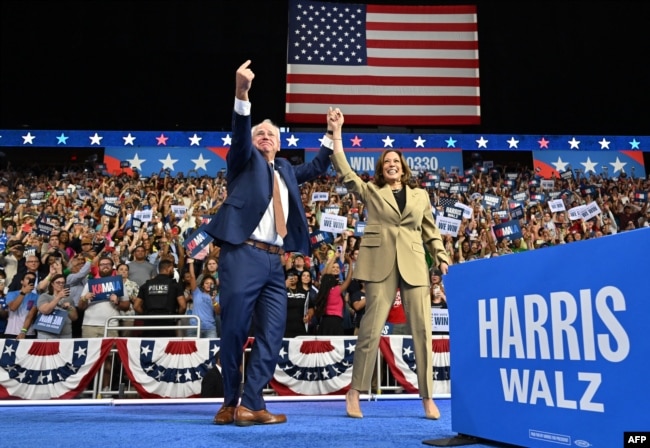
<point x="270" y="248"/>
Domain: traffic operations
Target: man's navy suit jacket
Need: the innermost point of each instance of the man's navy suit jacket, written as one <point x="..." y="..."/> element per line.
<point x="250" y="188"/>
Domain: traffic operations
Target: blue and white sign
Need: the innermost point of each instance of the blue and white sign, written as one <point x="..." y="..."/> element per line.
<point x="548" y="356"/>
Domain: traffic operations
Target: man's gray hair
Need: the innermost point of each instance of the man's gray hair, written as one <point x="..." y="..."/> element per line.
<point x="268" y="122"/>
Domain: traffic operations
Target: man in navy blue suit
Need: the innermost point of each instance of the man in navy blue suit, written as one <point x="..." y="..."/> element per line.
<point x="251" y="272"/>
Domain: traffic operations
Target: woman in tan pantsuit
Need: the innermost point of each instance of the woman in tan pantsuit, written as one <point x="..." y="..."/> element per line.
<point x="399" y="229"/>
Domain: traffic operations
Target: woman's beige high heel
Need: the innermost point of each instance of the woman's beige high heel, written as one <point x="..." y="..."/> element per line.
<point x="431" y="411"/>
<point x="352" y="404"/>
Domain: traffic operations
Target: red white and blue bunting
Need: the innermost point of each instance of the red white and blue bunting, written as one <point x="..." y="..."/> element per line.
<point x="172" y="368"/>
<point x="314" y="367"/>
<point x="167" y="368"/>
<point x="400" y="357"/>
<point x="43" y="370"/>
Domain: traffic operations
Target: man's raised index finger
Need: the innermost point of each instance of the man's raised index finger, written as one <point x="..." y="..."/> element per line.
<point x="245" y="65"/>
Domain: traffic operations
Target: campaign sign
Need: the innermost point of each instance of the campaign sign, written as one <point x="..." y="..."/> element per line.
<point x="359" y="228"/>
<point x="51" y="323"/>
<point x="319" y="237"/>
<point x="103" y="287"/>
<point x="556" y="205"/>
<point x="43" y="228"/>
<point x="552" y="350"/>
<point x="447" y="225"/>
<point x="440" y="320"/>
<point x="109" y="209"/>
<point x="491" y="201"/>
<point x="453" y="212"/>
<point x="333" y="223"/>
<point x="520" y="197"/>
<point x="198" y="240"/>
<point x="143" y="215"/>
<point x="320" y="196"/>
<point x="179" y="210"/>
<point x="510" y="230"/>
<point x="517" y="212"/>
<point x="589" y="211"/>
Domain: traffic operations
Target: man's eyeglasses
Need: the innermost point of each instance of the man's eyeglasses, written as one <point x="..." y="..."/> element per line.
<point x="105" y="265"/>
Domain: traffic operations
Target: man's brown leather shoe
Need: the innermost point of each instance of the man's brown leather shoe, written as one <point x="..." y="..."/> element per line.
<point x="246" y="417"/>
<point x="225" y="415"/>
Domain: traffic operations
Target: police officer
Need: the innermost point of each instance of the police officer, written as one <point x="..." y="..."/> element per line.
<point x="162" y="295"/>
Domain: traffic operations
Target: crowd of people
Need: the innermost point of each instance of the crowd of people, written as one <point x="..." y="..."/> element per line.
<point x="76" y="237"/>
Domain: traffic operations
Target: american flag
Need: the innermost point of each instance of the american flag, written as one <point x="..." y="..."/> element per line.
<point x="447" y="202"/>
<point x="383" y="65"/>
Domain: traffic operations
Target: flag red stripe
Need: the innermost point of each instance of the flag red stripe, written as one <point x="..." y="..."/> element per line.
<point x="382" y="80"/>
<point x="429" y="62"/>
<point x="385" y="100"/>
<point x="390" y="120"/>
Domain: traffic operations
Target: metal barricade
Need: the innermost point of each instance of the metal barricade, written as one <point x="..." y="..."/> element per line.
<point x="111" y="380"/>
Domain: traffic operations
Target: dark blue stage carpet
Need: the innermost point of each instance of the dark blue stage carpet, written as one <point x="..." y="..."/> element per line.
<point x="313" y="424"/>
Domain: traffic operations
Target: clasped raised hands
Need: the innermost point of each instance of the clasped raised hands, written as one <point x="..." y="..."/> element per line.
<point x="335" y="119"/>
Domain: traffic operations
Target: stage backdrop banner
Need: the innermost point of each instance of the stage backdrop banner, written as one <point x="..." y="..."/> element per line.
<point x="419" y="160"/>
<point x="551" y="346"/>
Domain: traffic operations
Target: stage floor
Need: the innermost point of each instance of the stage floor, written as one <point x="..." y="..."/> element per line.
<point x="388" y="422"/>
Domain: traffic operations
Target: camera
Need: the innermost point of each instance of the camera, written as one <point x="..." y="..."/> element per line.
<point x="213" y="289"/>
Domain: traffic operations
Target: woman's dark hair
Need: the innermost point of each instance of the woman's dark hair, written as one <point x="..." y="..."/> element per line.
<point x="311" y="277"/>
<point x="406" y="171"/>
<point x="50" y="288"/>
<point x="205" y="279"/>
<point x="327" y="282"/>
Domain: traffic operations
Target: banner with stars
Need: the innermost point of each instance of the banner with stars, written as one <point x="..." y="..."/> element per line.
<point x="314" y="366"/>
<point x="400" y="357"/>
<point x="167" y="368"/>
<point x="204" y="153"/>
<point x="324" y="366"/>
<point x="613" y="164"/>
<point x="54" y="369"/>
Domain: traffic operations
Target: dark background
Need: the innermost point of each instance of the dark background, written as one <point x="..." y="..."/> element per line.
<point x="565" y="67"/>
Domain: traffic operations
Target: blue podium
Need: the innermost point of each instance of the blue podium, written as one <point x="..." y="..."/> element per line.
<point x="551" y="347"/>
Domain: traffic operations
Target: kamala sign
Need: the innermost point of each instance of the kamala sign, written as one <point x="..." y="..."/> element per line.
<point x="552" y="349"/>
